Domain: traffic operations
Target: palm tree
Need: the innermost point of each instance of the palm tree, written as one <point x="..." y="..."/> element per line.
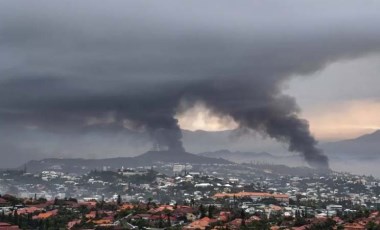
<point x="168" y="215"/>
<point x="149" y="202"/>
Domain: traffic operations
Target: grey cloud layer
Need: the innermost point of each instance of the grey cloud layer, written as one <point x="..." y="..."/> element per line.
<point x="66" y="63"/>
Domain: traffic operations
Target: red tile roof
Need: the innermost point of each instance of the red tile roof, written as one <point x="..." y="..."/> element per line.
<point x="200" y="224"/>
<point x="3" y="201"/>
<point x="6" y="226"/>
<point x="46" y="214"/>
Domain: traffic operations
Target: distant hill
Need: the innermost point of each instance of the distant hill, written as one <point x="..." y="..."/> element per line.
<point x="262" y="157"/>
<point x="237" y="156"/>
<point x="208" y="141"/>
<point x="365" y="147"/>
<point x="346" y="155"/>
<point x="80" y="165"/>
<point x="182" y="157"/>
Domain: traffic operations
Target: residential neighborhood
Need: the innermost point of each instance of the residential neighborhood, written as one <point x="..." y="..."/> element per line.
<point x="189" y="115"/>
<point x="212" y="197"/>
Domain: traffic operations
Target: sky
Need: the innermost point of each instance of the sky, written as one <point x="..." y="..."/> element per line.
<point x="95" y="78"/>
<point x="340" y="101"/>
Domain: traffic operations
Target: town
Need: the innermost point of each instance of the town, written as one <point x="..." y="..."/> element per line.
<point x="193" y="115"/>
<point x="189" y="196"/>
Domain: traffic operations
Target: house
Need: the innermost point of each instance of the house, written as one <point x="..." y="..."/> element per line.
<point x="71" y="224"/>
<point x="354" y="226"/>
<point x="88" y="204"/>
<point x="182" y="210"/>
<point x="28" y="210"/>
<point x="4" y="202"/>
<point x="162" y="208"/>
<point x="161" y="217"/>
<point x="91" y="215"/>
<point x="43" y="205"/>
<point x="235" y="224"/>
<point x="141" y="216"/>
<point x="254" y="195"/>
<point x="46" y="215"/>
<point x="126" y="206"/>
<point x="201" y="224"/>
<point x="103" y="221"/>
<point x="304" y="227"/>
<point x="253" y="219"/>
<point x="224" y="216"/>
<point x="6" y="226"/>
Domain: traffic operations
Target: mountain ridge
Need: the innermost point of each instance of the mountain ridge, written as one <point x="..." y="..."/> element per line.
<point x="366" y="146"/>
<point x="82" y="165"/>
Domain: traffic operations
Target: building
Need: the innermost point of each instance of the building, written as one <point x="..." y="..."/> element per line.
<point x="254" y="196"/>
<point x="177" y="168"/>
<point x="7" y="226"/>
<point x="4" y="203"/>
<point x="334" y="207"/>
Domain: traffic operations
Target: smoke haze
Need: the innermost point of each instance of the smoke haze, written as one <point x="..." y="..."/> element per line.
<point x="79" y="68"/>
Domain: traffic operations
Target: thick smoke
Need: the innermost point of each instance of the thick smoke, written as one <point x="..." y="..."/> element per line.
<point x="263" y="110"/>
<point x="75" y="67"/>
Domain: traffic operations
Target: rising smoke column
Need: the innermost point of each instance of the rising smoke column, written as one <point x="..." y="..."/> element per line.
<point x="257" y="104"/>
<point x="60" y="106"/>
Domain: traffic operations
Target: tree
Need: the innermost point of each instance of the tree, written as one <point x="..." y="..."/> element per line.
<point x="168" y="215"/>
<point x="29" y="219"/>
<point x="327" y="225"/>
<point x="372" y="226"/>
<point x="202" y="211"/>
<point x="42" y="200"/>
<point x="259" y="225"/>
<point x="160" y="222"/>
<point x="298" y="198"/>
<point x="2" y="216"/>
<point x="47" y="224"/>
<point x="192" y="202"/>
<point x="299" y="219"/>
<point x="149" y="203"/>
<point x="10" y="217"/>
<point x="340" y="227"/>
<point x="56" y="201"/>
<point x="119" y="201"/>
<point x="15" y="218"/>
<point x="242" y="215"/>
<point x="211" y="209"/>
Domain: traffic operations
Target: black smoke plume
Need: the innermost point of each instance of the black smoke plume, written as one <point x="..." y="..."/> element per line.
<point x="264" y="110"/>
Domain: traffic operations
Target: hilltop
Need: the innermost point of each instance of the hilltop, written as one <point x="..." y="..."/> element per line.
<point x="80" y="165"/>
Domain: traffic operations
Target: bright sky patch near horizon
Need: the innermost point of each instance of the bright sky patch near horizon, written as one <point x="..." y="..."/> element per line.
<point x="334" y="110"/>
<point x="342" y="100"/>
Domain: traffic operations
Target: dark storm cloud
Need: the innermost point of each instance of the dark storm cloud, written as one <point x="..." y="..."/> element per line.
<point x="69" y="65"/>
